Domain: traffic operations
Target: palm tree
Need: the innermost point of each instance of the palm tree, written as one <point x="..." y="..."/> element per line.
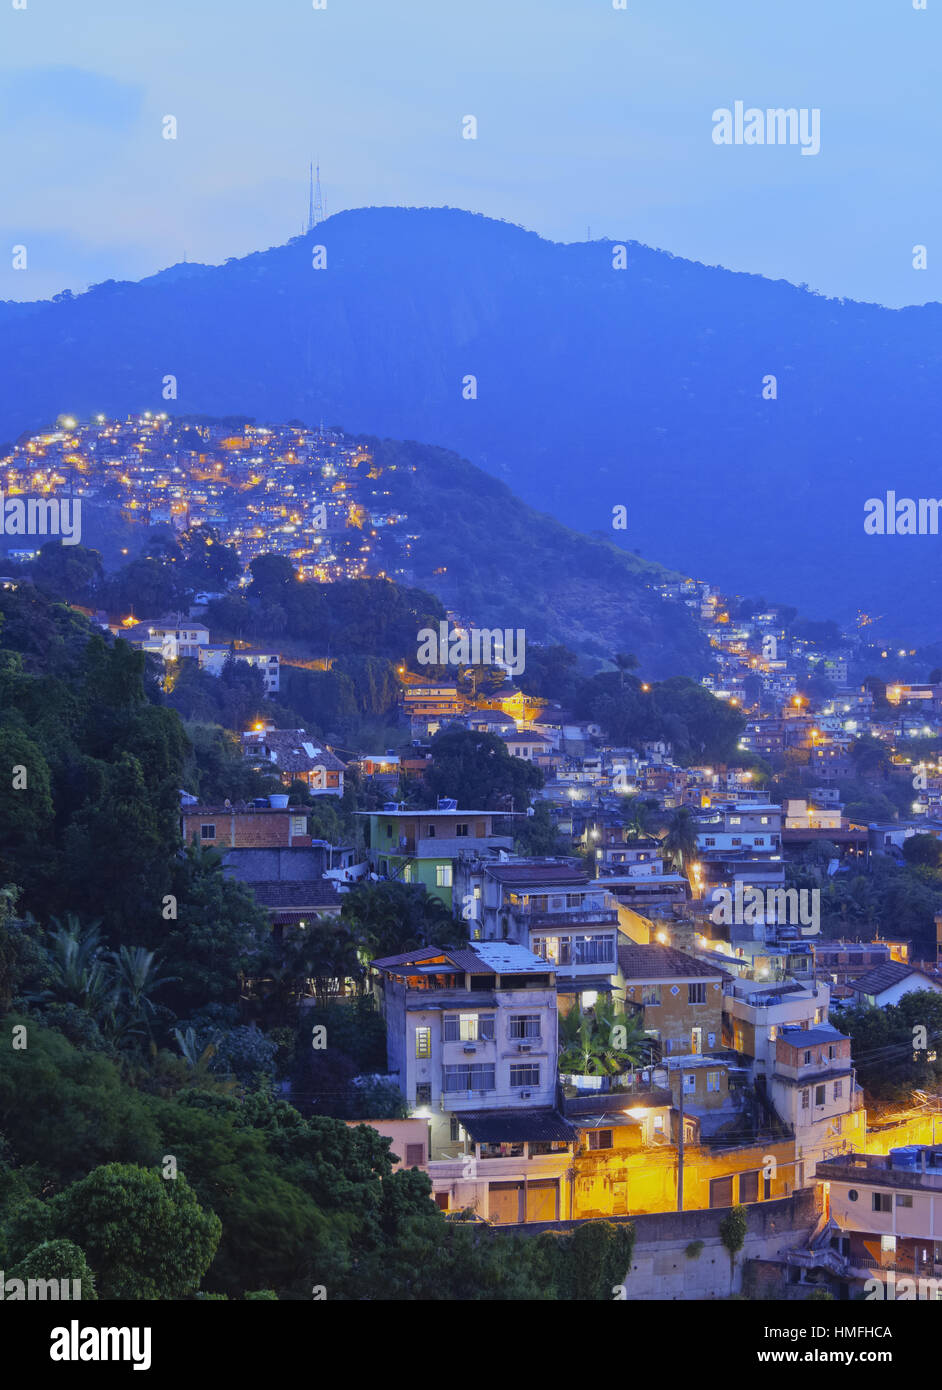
<point x="136" y="978"/>
<point x="636" y="816"/>
<point x="601" y="1042"/>
<point x="625" y="1033"/>
<point x="680" y="842"/>
<point x="79" y="972"/>
<point x="197" y="1059"/>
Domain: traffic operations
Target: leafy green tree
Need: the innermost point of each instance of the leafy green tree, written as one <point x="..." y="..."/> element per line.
<point x="137" y="978"/>
<point x="478" y="771"/>
<point x="58" y="1259"/>
<point x="640" y="816"/>
<point x="871" y="758"/>
<point x="78" y="968"/>
<point x="923" y="850"/>
<point x="68" y="572"/>
<point x="733" y="1230"/>
<point x="214" y="936"/>
<point x="392" y="917"/>
<point x="145" y="1236"/>
<point x="594" y="1258"/>
<point x="69" y="1109"/>
<point x="26" y="808"/>
<point x="538" y="835"/>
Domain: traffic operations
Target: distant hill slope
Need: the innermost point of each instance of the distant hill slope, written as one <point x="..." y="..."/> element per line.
<point x="507" y="565"/>
<point x="595" y="386"/>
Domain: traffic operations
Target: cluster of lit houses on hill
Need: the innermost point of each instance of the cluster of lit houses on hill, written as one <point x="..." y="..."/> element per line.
<point x="747" y="1092"/>
<point x="309" y="494"/>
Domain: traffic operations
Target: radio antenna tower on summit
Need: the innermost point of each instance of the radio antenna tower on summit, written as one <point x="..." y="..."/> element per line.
<point x="315" y="202"/>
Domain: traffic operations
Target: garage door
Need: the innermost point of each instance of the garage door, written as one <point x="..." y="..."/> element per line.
<point x="505" y="1202"/>
<point x="721" y="1192"/>
<point x="541" y="1201"/>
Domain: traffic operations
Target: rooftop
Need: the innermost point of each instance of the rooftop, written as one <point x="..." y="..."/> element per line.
<point x="812" y="1037"/>
<point x="477" y="958"/>
<point x="891" y="972"/>
<point x="515" y="1126"/>
<point x="663" y="962"/>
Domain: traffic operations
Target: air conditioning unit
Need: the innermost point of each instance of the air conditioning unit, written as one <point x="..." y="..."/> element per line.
<point x="470" y="1047"/>
<point x="524" y="1047"/>
<point x="524" y="1095"/>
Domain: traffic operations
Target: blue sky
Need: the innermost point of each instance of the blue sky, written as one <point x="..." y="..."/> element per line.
<point x="588" y="117"/>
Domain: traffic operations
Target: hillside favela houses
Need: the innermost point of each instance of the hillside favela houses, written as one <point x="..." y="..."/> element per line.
<point x="634" y="981"/>
<point x="617" y="1037"/>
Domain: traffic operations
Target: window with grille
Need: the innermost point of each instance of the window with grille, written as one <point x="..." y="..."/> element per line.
<point x="477" y="1077"/>
<point x="601" y="1138"/>
<point x="524" y="1074"/>
<point x="524" y="1026"/>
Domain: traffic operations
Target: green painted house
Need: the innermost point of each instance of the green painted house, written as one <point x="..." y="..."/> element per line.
<point x="421" y="846"/>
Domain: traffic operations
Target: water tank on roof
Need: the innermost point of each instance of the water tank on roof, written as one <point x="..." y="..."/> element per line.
<point x="906" y="1157"/>
<point x="278" y="803"/>
<point x="260" y="801"/>
<point x="390" y="805"/>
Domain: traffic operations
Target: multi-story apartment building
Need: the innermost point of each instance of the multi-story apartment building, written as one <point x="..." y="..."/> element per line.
<point x="423" y="846"/>
<point x="741" y="842"/>
<point x="170" y="638"/>
<point x="554" y="909"/>
<point x="755" y="1012"/>
<point x="814" y="1090"/>
<point x="471" y="1039"/>
<point x="885" y="1219"/>
<point x="441" y="702"/>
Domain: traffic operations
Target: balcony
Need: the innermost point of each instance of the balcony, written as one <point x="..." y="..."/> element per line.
<point x="600" y="916"/>
<point x="875" y="1169"/>
<point x="467" y="1168"/>
<point x="453" y="847"/>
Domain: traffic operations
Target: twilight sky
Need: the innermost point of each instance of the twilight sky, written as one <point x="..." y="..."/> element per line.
<point x="587" y="117"/>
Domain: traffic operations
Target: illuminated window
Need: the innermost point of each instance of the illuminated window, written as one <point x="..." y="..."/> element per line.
<point x="443" y="875"/>
<point x="423" y="1042"/>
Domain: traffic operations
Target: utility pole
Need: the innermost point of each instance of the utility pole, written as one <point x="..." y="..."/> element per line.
<point x="680" y="1147"/>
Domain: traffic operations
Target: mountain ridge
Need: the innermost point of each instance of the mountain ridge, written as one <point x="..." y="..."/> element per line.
<point x="595" y="387"/>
